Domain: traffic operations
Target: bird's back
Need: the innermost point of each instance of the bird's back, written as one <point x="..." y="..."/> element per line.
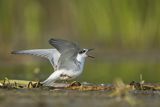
<point x="68" y="61"/>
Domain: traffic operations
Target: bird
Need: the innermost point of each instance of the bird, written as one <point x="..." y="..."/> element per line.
<point x="67" y="59"/>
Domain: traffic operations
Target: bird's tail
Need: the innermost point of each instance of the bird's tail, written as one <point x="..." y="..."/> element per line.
<point x="51" y="79"/>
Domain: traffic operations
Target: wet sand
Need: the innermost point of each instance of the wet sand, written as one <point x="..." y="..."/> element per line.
<point x="74" y="98"/>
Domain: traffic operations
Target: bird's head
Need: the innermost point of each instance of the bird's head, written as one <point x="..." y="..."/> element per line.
<point x="84" y="53"/>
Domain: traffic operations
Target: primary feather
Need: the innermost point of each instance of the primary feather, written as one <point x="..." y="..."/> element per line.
<point x="51" y="54"/>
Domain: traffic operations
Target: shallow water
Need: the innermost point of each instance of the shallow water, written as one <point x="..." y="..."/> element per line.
<point x="94" y="71"/>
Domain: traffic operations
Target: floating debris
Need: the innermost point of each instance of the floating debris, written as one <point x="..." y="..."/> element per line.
<point x="16" y="84"/>
<point x="84" y="86"/>
<point x="145" y="86"/>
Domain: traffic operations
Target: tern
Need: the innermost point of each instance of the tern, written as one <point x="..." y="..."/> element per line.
<point x="67" y="59"/>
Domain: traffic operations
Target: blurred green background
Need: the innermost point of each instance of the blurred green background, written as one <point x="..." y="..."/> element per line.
<point x="124" y="33"/>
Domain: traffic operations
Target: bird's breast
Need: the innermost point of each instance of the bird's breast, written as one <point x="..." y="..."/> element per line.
<point x="69" y="74"/>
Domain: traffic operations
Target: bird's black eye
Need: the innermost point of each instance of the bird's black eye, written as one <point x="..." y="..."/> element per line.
<point x="82" y="51"/>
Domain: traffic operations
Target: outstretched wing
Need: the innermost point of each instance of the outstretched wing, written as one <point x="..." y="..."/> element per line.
<point x="51" y="54"/>
<point x="64" y="45"/>
<point x="68" y="50"/>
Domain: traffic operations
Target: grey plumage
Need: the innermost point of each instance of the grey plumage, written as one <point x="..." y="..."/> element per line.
<point x="68" y="60"/>
<point x="63" y="45"/>
<point x="68" y="50"/>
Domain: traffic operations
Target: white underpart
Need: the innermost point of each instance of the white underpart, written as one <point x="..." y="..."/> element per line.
<point x="57" y="76"/>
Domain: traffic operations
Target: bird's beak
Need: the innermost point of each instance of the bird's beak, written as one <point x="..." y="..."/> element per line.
<point x="90" y="55"/>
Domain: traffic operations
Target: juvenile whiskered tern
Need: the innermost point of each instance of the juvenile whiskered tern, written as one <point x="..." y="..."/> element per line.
<point x="67" y="59"/>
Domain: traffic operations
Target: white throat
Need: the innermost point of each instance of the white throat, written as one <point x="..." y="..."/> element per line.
<point x="81" y="59"/>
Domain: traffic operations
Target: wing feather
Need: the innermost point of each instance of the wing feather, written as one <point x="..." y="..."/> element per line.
<point x="64" y="45"/>
<point x="51" y="54"/>
<point x="68" y="50"/>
